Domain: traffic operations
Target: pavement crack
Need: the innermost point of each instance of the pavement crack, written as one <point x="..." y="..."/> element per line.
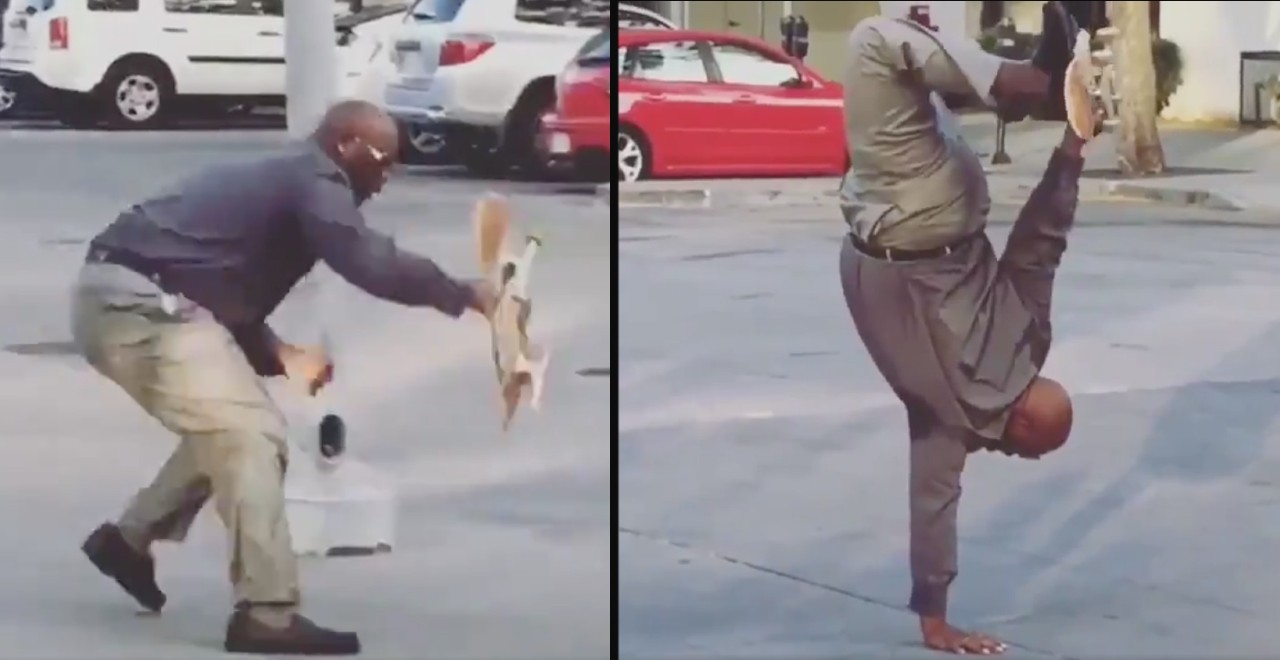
<point x="798" y="579"/>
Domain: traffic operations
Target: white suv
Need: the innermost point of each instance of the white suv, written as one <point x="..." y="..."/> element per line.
<point x="133" y="63"/>
<point x="482" y="73"/>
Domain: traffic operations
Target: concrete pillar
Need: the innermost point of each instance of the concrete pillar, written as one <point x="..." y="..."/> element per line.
<point x="311" y="56"/>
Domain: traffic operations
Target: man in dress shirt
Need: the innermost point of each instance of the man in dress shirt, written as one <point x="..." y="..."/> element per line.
<point x="172" y="304"/>
<point x="959" y="332"/>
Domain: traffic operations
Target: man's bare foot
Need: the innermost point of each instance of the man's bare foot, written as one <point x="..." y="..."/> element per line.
<point x="941" y="636"/>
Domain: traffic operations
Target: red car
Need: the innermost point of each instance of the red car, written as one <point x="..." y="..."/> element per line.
<point x="578" y="134"/>
<point x="694" y="103"/>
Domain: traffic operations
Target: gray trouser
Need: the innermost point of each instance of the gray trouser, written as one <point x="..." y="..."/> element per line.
<point x="187" y="371"/>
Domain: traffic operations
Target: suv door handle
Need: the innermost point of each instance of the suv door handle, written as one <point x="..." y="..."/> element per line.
<point x="269" y="33"/>
<point x="175" y="30"/>
<point x="654" y="97"/>
<point x="744" y="98"/>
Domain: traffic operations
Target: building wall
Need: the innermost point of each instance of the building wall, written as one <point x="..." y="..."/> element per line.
<point x="1211" y="36"/>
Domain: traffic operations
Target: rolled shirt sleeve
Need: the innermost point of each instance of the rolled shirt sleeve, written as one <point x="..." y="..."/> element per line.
<point x="371" y="260"/>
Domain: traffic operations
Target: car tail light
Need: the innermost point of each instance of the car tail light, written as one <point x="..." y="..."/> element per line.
<point x="59" y="35"/>
<point x="464" y="48"/>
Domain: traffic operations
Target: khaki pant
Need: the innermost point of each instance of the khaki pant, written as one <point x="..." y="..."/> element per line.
<point x="185" y="370"/>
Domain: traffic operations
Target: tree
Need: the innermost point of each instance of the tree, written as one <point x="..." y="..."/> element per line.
<point x="1138" y="147"/>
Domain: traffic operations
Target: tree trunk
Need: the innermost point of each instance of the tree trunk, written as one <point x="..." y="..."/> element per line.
<point x="1138" y="147"/>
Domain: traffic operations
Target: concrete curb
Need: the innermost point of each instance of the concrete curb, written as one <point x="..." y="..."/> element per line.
<point x="1174" y="196"/>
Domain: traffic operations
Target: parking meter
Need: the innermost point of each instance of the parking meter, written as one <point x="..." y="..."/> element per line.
<point x="795" y="36"/>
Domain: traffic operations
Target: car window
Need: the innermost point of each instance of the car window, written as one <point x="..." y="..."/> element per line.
<point x="596" y="48"/>
<point x="365" y="14"/>
<point x="672" y="61"/>
<point x="578" y="13"/>
<point x="436" y="11"/>
<point x="740" y="65"/>
<point x="113" y="5"/>
<point x="226" y="7"/>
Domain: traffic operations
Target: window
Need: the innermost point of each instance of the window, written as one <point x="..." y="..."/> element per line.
<point x="226" y="7"/>
<point x="113" y="5"/>
<point x="597" y="48"/>
<point x="674" y="62"/>
<point x="743" y="66"/>
<point x="579" y="13"/>
<point x="436" y="11"/>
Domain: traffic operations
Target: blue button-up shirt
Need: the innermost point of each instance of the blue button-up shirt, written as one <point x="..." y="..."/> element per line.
<point x="236" y="239"/>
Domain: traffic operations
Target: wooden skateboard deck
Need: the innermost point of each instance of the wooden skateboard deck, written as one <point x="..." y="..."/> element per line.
<point x="519" y="364"/>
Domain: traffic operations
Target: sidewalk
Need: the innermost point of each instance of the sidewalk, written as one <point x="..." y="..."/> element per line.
<point x="1214" y="168"/>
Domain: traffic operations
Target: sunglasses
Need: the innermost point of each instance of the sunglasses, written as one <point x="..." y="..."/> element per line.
<point x="379" y="156"/>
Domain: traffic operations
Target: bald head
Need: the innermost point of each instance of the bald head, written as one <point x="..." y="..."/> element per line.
<point x="354" y="120"/>
<point x="1041" y="419"/>
<point x="364" y="141"/>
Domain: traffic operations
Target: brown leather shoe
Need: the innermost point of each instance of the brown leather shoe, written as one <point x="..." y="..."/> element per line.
<point x="301" y="636"/>
<point x="133" y="569"/>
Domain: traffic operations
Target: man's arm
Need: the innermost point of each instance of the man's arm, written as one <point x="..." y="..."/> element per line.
<point x="261" y="346"/>
<point x="371" y="260"/>
<point x="937" y="460"/>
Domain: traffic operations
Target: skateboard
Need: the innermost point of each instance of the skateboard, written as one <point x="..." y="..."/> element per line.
<point x="519" y="364"/>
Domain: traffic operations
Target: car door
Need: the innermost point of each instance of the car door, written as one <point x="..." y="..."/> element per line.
<point x="232" y="47"/>
<point x="779" y="118"/>
<point x="663" y="90"/>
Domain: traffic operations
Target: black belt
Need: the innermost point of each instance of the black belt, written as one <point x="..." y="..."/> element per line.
<point x="893" y="254"/>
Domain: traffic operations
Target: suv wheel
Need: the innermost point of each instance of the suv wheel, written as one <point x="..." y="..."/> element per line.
<point x="8" y="100"/>
<point x="421" y="144"/>
<point x="135" y="95"/>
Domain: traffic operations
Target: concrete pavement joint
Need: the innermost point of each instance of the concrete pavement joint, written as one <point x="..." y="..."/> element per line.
<point x="791" y="577"/>
<point x="1247" y="218"/>
<point x="807" y="195"/>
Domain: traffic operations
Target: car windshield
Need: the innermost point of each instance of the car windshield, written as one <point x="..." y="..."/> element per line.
<point x="599" y="50"/>
<point x="437" y="11"/>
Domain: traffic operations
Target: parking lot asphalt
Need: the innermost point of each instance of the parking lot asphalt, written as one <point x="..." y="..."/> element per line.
<point x="503" y="541"/>
<point x="762" y="460"/>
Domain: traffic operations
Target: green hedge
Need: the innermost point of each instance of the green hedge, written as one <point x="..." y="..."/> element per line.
<point x="1167" y="56"/>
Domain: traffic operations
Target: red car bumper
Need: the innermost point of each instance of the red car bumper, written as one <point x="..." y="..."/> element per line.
<point x="573" y="141"/>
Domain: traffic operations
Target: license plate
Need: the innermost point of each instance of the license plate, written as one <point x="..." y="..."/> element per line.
<point x="560" y="144"/>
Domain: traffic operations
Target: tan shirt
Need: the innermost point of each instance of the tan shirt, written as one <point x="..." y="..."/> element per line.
<point x="914" y="183"/>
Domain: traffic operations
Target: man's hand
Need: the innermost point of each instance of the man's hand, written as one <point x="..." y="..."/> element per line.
<point x="309" y="365"/>
<point x="940" y="636"/>
<point x="484" y="297"/>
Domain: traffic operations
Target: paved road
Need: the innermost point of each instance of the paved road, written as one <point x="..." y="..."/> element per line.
<point x="762" y="499"/>
<point x="503" y="541"/>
